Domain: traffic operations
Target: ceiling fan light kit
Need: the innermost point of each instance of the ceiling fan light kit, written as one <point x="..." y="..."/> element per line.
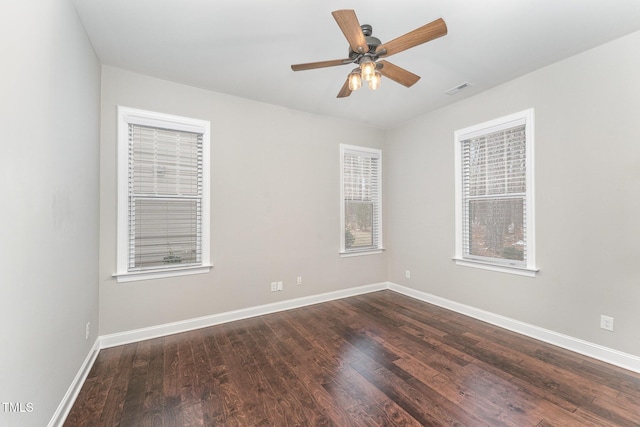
<point x="366" y="72"/>
<point x="365" y="50"/>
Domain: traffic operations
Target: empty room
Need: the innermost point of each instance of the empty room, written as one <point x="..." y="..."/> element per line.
<point x="337" y="213"/>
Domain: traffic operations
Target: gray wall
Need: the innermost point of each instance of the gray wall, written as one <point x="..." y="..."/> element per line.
<point x="275" y="206"/>
<point x="587" y="204"/>
<point x="49" y="113"/>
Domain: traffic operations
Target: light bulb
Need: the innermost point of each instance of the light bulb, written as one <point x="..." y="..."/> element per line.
<point x="354" y="81"/>
<point x="368" y="69"/>
<point x="374" y="83"/>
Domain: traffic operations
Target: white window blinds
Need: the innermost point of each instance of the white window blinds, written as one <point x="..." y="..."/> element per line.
<point x="495" y="224"/>
<point x="361" y="199"/>
<point x="494" y="195"/>
<point x="165" y="197"/>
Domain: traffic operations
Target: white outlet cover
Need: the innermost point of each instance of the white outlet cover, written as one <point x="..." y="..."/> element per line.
<point x="606" y="322"/>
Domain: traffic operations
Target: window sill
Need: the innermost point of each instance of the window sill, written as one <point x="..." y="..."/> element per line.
<point x="361" y="253"/>
<point x="520" y="271"/>
<point x="161" y="274"/>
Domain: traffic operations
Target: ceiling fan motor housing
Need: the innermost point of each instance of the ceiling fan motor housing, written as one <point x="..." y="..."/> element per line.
<point x="372" y="42"/>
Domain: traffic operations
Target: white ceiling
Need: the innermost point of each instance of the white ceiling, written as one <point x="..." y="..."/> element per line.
<point x="245" y="47"/>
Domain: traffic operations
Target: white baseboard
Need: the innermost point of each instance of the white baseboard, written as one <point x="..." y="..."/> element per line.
<point x="605" y="354"/>
<point x="74" y="389"/>
<point x="127" y="337"/>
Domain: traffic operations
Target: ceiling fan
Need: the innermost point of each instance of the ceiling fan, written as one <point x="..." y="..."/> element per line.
<point x="365" y="51"/>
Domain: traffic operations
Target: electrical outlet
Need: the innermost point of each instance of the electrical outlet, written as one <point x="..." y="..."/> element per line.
<point x="299" y="280"/>
<point x="407" y="274"/>
<point x="87" y="331"/>
<point x="274" y="286"/>
<point x="606" y="322"/>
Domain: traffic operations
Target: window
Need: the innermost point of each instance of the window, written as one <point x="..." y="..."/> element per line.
<point x="360" y="200"/>
<point x="163" y="195"/>
<point x="494" y="195"/>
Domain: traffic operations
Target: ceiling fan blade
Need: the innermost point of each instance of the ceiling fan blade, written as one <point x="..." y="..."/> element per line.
<point x="398" y="74"/>
<point x="345" y="91"/>
<point x="321" y="64"/>
<point x="432" y="30"/>
<point x="348" y="23"/>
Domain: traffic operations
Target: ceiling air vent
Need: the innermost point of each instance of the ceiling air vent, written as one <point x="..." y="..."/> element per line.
<point x="458" y="88"/>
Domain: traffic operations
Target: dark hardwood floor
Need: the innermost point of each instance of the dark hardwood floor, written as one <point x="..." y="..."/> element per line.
<point x="380" y="359"/>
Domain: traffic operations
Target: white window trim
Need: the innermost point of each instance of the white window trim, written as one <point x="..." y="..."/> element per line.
<point x="526" y="116"/>
<point x="368" y="251"/>
<point x="128" y="116"/>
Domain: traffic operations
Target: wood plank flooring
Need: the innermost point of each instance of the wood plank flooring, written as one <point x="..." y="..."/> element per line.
<point x="380" y="359"/>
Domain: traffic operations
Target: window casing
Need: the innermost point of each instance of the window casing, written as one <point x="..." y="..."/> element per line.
<point x="360" y="200"/>
<point x="495" y="195"/>
<point x="163" y="195"/>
